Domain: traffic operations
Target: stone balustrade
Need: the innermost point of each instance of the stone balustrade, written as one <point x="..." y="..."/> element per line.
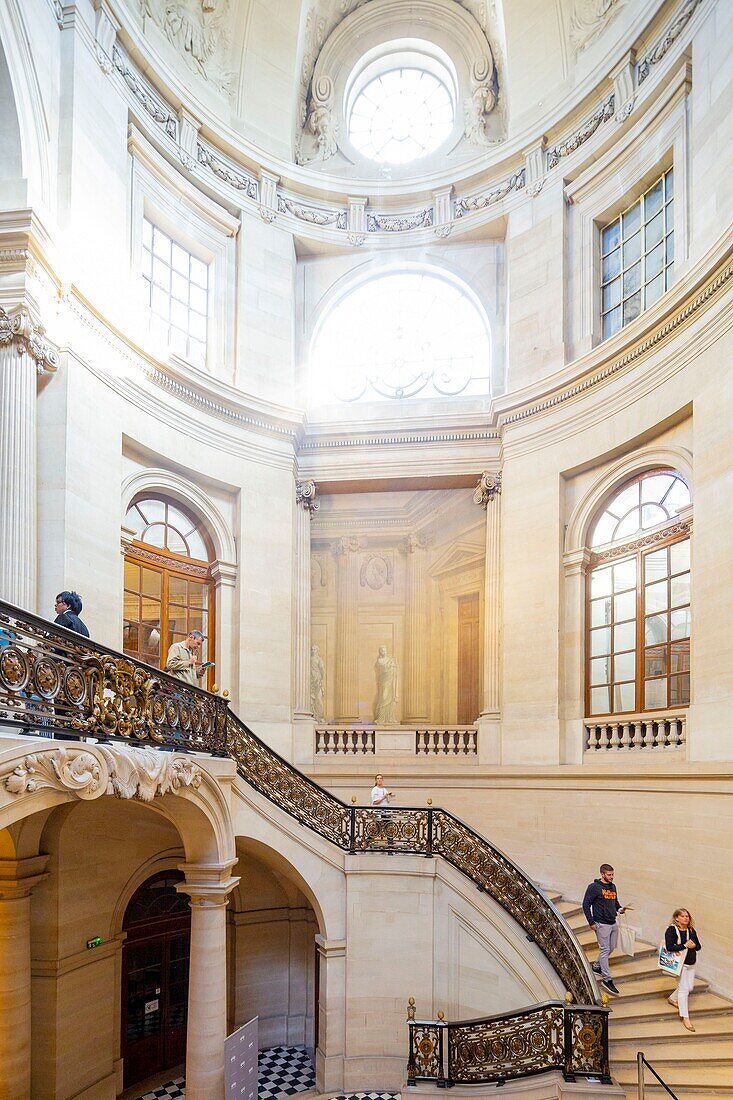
<point x="635" y="732"/>
<point x="460" y="741"/>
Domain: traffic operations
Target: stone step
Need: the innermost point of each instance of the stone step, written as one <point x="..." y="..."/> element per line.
<point x="570" y="909"/>
<point x="677" y="1046"/>
<point x="654" y="985"/>
<point x="625" y="969"/>
<point x="656" y="1007"/>
<point x="694" y="1074"/>
<point x="655" y="1090"/>
<point x="642" y="1030"/>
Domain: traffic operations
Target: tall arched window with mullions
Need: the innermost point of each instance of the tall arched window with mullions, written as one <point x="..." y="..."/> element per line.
<point x="169" y="589"/>
<point x="638" y="599"/>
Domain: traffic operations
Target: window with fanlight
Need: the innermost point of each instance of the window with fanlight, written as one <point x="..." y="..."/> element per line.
<point x="638" y="599"/>
<point x="169" y="589"/>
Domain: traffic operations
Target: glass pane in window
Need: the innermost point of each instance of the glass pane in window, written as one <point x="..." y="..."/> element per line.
<point x="599" y="700"/>
<point x="632" y="307"/>
<point x="198" y="299"/>
<point x="611" y="237"/>
<point x="624" y="575"/>
<point x="177" y="589"/>
<point x="179" y="259"/>
<point x="654" y="487"/>
<point x="611" y="265"/>
<point x="197" y="326"/>
<point x="654" y="231"/>
<point x="197" y="546"/>
<point x="653" y="200"/>
<point x="655" y="661"/>
<point x="151" y="643"/>
<point x="146" y="263"/>
<point x="632" y="280"/>
<point x="161" y="274"/>
<point x="625" y="606"/>
<point x="669" y="183"/>
<point x="654" y="262"/>
<point x="679" y="554"/>
<point x="160" y="302"/>
<point x="679" y="657"/>
<point x="681" y="623"/>
<point x="130" y="636"/>
<point x="681" y="589"/>
<point x="629" y="525"/>
<point x="624" y="666"/>
<point x="624" y="697"/>
<point x="179" y="315"/>
<point x="152" y="582"/>
<point x="632" y="249"/>
<point x="600" y="641"/>
<point x="678" y="497"/>
<point x="604" y="529"/>
<point x="600" y="670"/>
<point x="155" y="535"/>
<point x="131" y="604"/>
<point x="655" y="565"/>
<point x="611" y="295"/>
<point x="632" y="220"/>
<point x="176" y="544"/>
<point x="655" y="629"/>
<point x="624" y="637"/>
<point x="600" y="612"/>
<point x="611" y="322"/>
<point x="654" y="290"/>
<point x="655" y="597"/>
<point x="198" y="595"/>
<point x="600" y="582"/>
<point x="199" y="272"/>
<point x="655" y="694"/>
<point x="161" y="246"/>
<point x="150" y="611"/>
<point x="670" y="249"/>
<point x="132" y="576"/>
<point x="651" y="515"/>
<point x="179" y="287"/>
<point x="679" y="690"/>
<point x="147" y="234"/>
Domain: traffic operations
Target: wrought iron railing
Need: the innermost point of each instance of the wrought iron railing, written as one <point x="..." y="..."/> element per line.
<point x="641" y="1064"/>
<point x="55" y="681"/>
<point x="52" y="680"/>
<point x="570" y="1038"/>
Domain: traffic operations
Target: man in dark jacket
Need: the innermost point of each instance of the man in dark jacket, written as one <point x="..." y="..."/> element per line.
<point x="68" y="609"/>
<point x="601" y="906"/>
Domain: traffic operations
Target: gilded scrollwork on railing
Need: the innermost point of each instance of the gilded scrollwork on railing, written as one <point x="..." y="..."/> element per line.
<point x="391" y="829"/>
<point x="572" y="1039"/>
<point x="497" y="1050"/>
<point x="53" y="681"/>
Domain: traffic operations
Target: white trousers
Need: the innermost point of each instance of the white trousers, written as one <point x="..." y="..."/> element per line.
<point x="685" y="982"/>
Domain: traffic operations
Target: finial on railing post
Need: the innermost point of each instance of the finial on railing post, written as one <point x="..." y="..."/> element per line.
<point x="225" y="693"/>
<point x="410" y="1008"/>
<point x="568" y="997"/>
<point x="353" y="799"/>
<point x="214" y="689"/>
<point x="441" y="1016"/>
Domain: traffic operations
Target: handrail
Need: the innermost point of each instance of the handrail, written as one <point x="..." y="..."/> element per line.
<point x="61" y="681"/>
<point x="549" y="1036"/>
<point x="640" y="1063"/>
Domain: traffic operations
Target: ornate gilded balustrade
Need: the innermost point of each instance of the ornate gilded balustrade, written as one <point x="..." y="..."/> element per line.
<point x="55" y="682"/>
<point x="60" y="684"/>
<point x="567" y="1037"/>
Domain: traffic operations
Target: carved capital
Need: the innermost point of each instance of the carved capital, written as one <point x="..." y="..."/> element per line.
<point x="208" y="885"/>
<point x="18" y="328"/>
<point x="412" y="543"/>
<point x="305" y="496"/>
<point x="489" y="487"/>
<point x="19" y="876"/>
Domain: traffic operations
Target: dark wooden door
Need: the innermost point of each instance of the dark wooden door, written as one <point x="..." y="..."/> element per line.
<point x="155" y="1004"/>
<point x="468" y="659"/>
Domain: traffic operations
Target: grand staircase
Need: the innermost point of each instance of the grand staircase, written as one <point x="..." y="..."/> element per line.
<point x="696" y="1067"/>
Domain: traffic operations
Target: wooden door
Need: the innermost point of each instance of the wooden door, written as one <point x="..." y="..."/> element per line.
<point x="155" y="1004"/>
<point x="468" y="659"/>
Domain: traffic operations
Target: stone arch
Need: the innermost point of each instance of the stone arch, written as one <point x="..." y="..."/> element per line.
<point x="585" y="511"/>
<point x="189" y="494"/>
<point x="25" y="130"/>
<point x="11" y="151"/>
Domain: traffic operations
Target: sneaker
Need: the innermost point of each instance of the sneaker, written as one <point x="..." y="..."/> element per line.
<point x="610" y="987"/>
<point x="596" y="968"/>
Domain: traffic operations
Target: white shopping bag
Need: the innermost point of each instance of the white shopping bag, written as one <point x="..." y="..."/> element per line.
<point x="626" y="938"/>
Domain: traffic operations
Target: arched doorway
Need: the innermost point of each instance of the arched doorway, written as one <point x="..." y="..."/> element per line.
<point x="155" y="963"/>
<point x="169" y="589"/>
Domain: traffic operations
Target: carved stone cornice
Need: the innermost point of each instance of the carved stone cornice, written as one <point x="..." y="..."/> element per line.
<point x="134" y="550"/>
<point x="19" y="329"/>
<point x="141" y="774"/>
<point x="489" y="487"/>
<point x="664" y="534"/>
<point x="305" y="496"/>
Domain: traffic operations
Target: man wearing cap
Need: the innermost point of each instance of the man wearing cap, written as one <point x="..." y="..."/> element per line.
<point x="184" y="658"/>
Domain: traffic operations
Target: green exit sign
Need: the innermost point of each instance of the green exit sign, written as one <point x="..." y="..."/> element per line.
<point x="95" y="942"/>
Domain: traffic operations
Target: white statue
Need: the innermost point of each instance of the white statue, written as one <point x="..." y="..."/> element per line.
<point x="318" y="673"/>
<point x="385" y="701"/>
<point x="323" y="127"/>
<point x="476" y="110"/>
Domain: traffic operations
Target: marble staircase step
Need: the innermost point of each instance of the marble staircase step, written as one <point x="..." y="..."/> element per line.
<point x="678" y="1046"/>
<point x="642" y="1030"/>
<point x="656" y="1007"/>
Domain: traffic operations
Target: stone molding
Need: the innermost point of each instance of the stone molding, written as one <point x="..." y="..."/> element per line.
<point x="18" y="329"/>
<point x="89" y="773"/>
<point x="302" y="210"/>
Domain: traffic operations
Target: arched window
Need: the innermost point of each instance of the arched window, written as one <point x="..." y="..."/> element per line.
<point x="638" y="599"/>
<point x="400" y="335"/>
<point x="169" y="589"/>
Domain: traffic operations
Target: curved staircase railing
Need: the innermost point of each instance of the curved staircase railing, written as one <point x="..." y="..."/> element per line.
<point x="56" y="682"/>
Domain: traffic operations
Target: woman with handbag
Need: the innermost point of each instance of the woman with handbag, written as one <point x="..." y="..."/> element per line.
<point x="681" y="936"/>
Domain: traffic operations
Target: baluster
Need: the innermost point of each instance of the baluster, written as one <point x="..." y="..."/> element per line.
<point x="682" y="731"/>
<point x="615" y="741"/>
<point x="435" y="742"/>
<point x="319" y="738"/>
<point x="635" y="734"/>
<point x="646" y="734"/>
<point x="626" y="735"/>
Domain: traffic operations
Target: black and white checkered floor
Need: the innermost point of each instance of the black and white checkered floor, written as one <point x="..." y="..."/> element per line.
<point x="283" y="1071"/>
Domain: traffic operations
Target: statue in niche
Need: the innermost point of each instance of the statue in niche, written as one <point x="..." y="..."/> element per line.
<point x="385" y="701"/>
<point x="476" y="111"/>
<point x="318" y="674"/>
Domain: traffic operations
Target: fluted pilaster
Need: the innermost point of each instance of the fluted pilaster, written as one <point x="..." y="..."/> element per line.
<point x="488" y="495"/>
<point x="346" y="553"/>
<point x="415" y="678"/>
<point x="24" y="355"/>
<point x="306" y="505"/>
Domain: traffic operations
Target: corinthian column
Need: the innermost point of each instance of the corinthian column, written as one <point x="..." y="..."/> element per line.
<point x="415" y="679"/>
<point x="346" y="552"/>
<point x="24" y="354"/>
<point x="306" y="505"/>
<point x="17" y="879"/>
<point x="488" y="495"/>
<point x="209" y="887"/>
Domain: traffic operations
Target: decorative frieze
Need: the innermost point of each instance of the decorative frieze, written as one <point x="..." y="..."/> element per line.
<point x="490" y="198"/>
<point x="312" y="214"/>
<point x="667" y="40"/>
<point x="155" y="107"/>
<point x="141" y="774"/>
<point x="569" y="145"/>
<point x="399" y="223"/>
<point x="240" y="181"/>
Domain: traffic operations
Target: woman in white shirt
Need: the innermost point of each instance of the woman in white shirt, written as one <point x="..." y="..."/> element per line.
<point x="380" y="793"/>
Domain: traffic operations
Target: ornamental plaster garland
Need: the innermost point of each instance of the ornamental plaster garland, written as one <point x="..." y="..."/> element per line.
<point x="141" y="774"/>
